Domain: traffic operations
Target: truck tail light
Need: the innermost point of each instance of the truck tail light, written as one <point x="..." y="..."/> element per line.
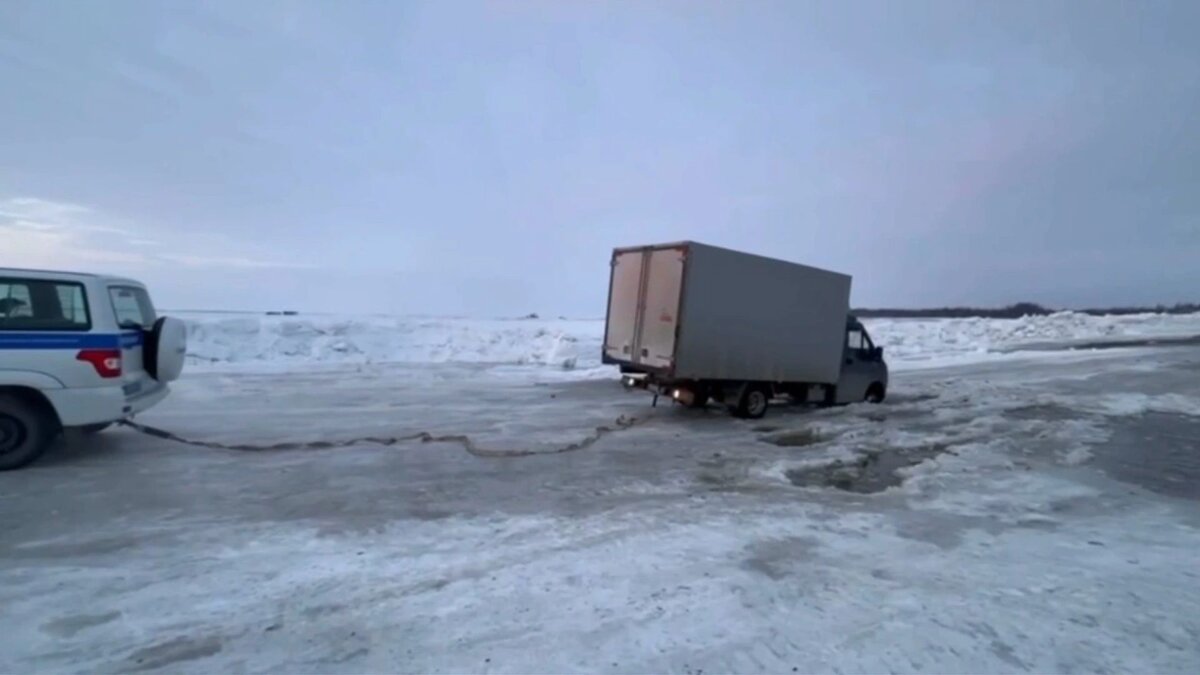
<point x="107" y="362"/>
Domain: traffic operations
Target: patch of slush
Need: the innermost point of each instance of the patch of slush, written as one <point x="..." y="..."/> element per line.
<point x="1076" y="456"/>
<point x="933" y="439"/>
<point x="874" y="472"/>
<point x="1156" y="451"/>
<point x="1119" y="404"/>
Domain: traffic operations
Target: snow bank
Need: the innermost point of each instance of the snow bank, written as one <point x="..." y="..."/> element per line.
<point x="574" y="345"/>
<point x="912" y="342"/>
<point x="239" y="339"/>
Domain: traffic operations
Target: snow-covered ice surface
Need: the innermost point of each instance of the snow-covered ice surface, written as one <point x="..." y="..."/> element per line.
<point x="224" y="341"/>
<point x="1027" y="514"/>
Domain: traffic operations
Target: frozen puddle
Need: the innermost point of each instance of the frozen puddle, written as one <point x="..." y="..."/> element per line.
<point x="1156" y="451"/>
<point x="875" y="472"/>
<point x="872" y="470"/>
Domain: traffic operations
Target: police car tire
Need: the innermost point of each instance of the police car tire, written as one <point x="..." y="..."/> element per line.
<point x="34" y="429"/>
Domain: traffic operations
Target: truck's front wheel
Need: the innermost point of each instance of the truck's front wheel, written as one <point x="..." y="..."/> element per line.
<point x="24" y="433"/>
<point x="752" y="404"/>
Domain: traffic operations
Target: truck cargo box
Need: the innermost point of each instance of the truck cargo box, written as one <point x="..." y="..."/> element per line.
<point x="689" y="311"/>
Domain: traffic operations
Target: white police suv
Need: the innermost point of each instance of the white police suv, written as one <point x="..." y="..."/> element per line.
<point x="77" y="350"/>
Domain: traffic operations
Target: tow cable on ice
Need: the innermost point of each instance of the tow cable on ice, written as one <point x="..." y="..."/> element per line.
<point x="620" y="424"/>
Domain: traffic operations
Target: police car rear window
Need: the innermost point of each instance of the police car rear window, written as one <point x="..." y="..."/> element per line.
<point x="132" y="306"/>
<point x="38" y="304"/>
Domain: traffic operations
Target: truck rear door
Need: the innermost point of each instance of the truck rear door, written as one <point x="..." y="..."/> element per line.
<point x="624" y="303"/>
<point x="643" y="308"/>
<point x="660" y="308"/>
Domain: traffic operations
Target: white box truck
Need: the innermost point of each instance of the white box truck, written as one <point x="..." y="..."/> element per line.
<point x="698" y="322"/>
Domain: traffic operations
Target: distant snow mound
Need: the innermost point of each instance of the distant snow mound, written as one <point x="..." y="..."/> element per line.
<point x="915" y="341"/>
<point x="564" y="344"/>
<point x="573" y="346"/>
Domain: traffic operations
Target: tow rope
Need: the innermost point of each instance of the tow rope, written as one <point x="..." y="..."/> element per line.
<point x="620" y="424"/>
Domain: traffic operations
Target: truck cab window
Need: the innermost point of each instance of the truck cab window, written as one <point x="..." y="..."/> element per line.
<point x="854" y="339"/>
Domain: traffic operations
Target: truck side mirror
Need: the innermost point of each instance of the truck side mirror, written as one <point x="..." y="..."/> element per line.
<point x="877" y="354"/>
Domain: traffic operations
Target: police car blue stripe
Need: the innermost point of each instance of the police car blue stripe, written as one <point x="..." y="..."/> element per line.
<point x="20" y="340"/>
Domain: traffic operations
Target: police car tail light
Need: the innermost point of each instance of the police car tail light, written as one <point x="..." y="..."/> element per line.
<point x="107" y="362"/>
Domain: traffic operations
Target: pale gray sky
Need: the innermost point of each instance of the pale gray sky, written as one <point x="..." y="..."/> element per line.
<point x="482" y="158"/>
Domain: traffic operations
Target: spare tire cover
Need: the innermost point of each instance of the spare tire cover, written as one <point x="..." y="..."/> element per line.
<point x="167" y="347"/>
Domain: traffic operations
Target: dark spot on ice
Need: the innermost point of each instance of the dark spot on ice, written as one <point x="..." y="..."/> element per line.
<point x="68" y="626"/>
<point x="1043" y="411"/>
<point x="944" y="530"/>
<point x="983" y="629"/>
<point x="1005" y="653"/>
<point x="1070" y="505"/>
<point x="423" y="512"/>
<point x="174" y="651"/>
<point x="775" y="558"/>
<point x="1085" y="620"/>
<point x="318" y="611"/>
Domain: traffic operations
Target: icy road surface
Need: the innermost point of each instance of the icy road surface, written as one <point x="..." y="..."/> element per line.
<point x="1036" y="515"/>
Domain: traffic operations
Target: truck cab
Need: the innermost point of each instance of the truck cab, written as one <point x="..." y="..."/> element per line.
<point x="864" y="375"/>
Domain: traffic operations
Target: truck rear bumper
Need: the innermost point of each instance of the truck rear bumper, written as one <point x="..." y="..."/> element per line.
<point x="631" y="367"/>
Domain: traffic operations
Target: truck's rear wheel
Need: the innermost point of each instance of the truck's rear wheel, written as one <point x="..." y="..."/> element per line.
<point x="24" y="433"/>
<point x="752" y="404"/>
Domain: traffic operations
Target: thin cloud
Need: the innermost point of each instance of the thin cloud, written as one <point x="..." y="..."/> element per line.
<point x="231" y="262"/>
<point x="44" y="233"/>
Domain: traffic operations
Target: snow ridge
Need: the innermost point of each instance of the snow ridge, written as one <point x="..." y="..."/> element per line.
<point x="574" y="344"/>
